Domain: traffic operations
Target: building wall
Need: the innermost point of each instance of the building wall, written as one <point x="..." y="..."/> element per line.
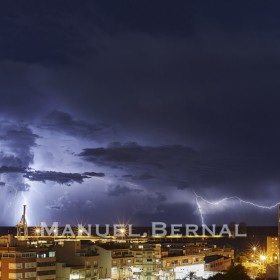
<point x="46" y="265"/>
<point x="226" y="252"/>
<point x="71" y="254"/>
<point x="272" y="249"/>
<point x="62" y="271"/>
<point x="66" y="252"/>
<point x="179" y="267"/>
<point x="104" y="262"/>
<point x="219" y="265"/>
<point x="27" y="263"/>
<point x="122" y="262"/>
<point x="147" y="261"/>
<point x="135" y="262"/>
<point x="15" y="268"/>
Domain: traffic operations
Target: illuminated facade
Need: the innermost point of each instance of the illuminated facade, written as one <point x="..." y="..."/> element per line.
<point x="147" y="261"/>
<point x="115" y="261"/>
<point x="19" y="261"/>
<point x="68" y="259"/>
<point x="144" y="261"/>
<point x="272" y="249"/>
<point x="182" y="267"/>
<point x="217" y="263"/>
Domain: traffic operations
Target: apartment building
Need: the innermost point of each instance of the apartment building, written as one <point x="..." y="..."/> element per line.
<point x="75" y="262"/>
<point x="208" y="249"/>
<point x="19" y="260"/>
<point x="115" y="261"/>
<point x="215" y="264"/>
<point x="147" y="261"/>
<point x="272" y="249"/>
<point x="181" y="267"/>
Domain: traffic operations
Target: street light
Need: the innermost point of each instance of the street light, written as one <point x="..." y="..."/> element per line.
<point x="263" y="262"/>
<point x="254" y="250"/>
<point x="122" y="230"/>
<point x="262" y="258"/>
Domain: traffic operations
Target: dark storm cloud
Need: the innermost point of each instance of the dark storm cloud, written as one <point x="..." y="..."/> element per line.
<point x="54" y="176"/>
<point x="156" y="68"/>
<point x="182" y="167"/>
<point x="94" y="174"/>
<point x="55" y="207"/>
<point x="195" y="84"/>
<point x="24" y="89"/>
<point x="145" y="176"/>
<point x="168" y="213"/>
<point x="66" y="202"/>
<point x="122" y="190"/>
<point x="159" y="78"/>
<point x="60" y="177"/>
<point x="12" y="169"/>
<point x="19" y="140"/>
<point x="133" y="152"/>
<point x="65" y="123"/>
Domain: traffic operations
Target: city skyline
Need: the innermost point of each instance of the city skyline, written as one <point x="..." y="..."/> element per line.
<point x="129" y="112"/>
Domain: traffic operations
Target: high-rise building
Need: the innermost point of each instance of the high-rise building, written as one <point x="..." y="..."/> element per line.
<point x="272" y="249"/>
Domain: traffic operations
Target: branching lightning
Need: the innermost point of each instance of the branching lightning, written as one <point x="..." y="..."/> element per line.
<point x="199" y="198"/>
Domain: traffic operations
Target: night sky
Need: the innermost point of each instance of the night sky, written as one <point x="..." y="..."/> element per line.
<point x="118" y="111"/>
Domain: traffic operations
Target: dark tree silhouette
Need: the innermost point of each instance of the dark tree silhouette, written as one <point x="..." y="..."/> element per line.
<point x="234" y="273"/>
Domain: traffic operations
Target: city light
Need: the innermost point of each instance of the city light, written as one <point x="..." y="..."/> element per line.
<point x="262" y="257"/>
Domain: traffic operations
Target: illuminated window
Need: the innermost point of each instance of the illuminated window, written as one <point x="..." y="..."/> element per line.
<point x="74" y="276"/>
<point x="29" y="255"/>
<point x="30" y="265"/>
<point x="30" y="274"/>
<point x="15" y="265"/>
<point x="15" y="275"/>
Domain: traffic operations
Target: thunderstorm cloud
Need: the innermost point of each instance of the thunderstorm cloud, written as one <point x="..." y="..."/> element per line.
<point x="130" y="109"/>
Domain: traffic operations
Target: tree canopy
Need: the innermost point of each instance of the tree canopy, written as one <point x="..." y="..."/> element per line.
<point x="234" y="273"/>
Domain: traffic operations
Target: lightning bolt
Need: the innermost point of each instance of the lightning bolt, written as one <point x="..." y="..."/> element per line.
<point x="199" y="208"/>
<point x="199" y="198"/>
